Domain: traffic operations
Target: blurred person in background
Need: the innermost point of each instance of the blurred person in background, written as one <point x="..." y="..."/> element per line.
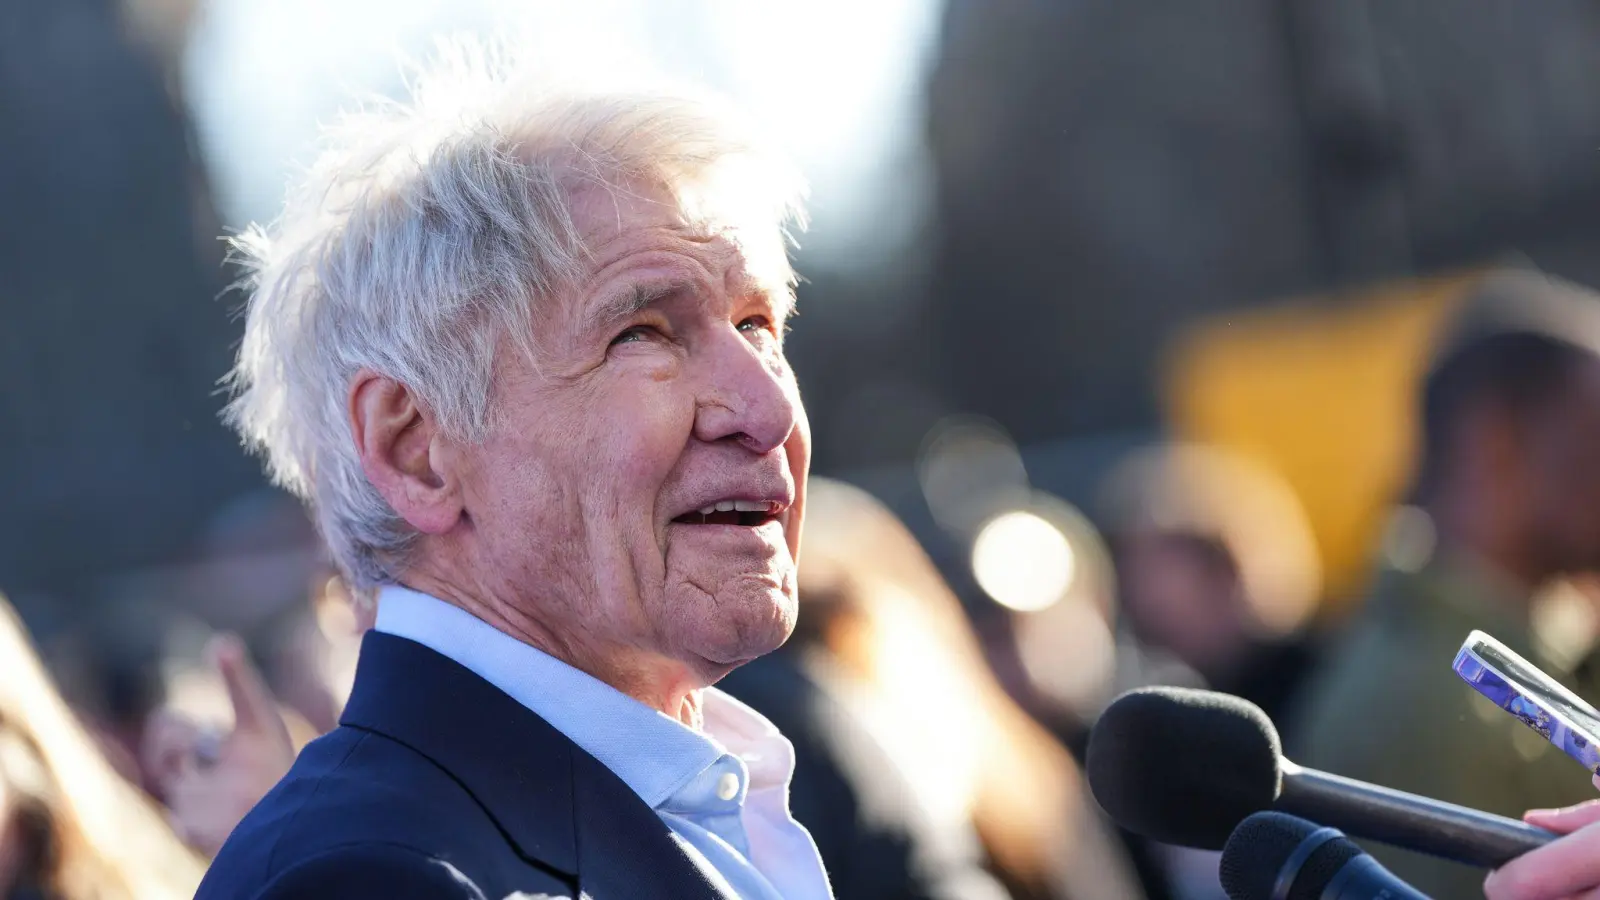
<point x="71" y="827"/>
<point x="906" y="743"/>
<point x="1216" y="575"/>
<point x="227" y="737"/>
<point x="299" y="625"/>
<point x="210" y="768"/>
<point x="1506" y="497"/>
<point x="1216" y="572"/>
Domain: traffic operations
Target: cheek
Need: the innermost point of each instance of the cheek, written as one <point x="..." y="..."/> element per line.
<point x="632" y="444"/>
<point x="637" y="443"/>
<point x="522" y="498"/>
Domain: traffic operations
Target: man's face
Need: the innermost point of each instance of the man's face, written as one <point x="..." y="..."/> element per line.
<point x="641" y="495"/>
<point x="1564" y="475"/>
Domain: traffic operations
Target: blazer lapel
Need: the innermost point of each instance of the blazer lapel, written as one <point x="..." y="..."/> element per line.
<point x="513" y="763"/>
<point x="655" y="865"/>
<point x="560" y="807"/>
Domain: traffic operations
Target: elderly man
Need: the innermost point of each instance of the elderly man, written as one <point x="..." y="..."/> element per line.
<point x="522" y="355"/>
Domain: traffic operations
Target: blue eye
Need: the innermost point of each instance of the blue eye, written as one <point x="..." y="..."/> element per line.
<point x="755" y="323"/>
<point x="633" y="335"/>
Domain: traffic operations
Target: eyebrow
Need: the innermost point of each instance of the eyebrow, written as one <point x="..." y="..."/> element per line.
<point x="782" y="301"/>
<point x="779" y="297"/>
<point x="624" y="305"/>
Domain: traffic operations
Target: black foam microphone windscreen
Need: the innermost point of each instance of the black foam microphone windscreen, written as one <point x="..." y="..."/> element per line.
<point x="1273" y="856"/>
<point x="1149" y="771"/>
<point x="1253" y="859"/>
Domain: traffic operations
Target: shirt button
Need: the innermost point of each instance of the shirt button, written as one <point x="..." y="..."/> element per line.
<point x="728" y="786"/>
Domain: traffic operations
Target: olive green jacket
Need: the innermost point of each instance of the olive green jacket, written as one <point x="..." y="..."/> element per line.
<point x="1387" y="708"/>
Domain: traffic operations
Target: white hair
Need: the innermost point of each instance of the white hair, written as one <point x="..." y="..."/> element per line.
<point x="418" y="242"/>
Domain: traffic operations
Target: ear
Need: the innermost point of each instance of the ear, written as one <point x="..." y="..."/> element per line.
<point x="399" y="445"/>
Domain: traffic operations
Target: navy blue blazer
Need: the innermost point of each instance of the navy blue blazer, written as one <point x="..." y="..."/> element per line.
<point x="437" y="784"/>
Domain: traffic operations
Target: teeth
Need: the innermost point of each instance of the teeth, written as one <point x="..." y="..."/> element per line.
<point x="761" y="506"/>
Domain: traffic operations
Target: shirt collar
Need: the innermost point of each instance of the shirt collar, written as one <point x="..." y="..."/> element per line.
<point x="766" y="753"/>
<point x="652" y="753"/>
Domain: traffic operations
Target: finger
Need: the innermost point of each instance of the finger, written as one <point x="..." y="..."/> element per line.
<point x="1565" y="867"/>
<point x="1597" y="781"/>
<point x="254" y="709"/>
<point x="1565" y="820"/>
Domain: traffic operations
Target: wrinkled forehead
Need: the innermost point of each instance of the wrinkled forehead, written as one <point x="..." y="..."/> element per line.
<point x="613" y="221"/>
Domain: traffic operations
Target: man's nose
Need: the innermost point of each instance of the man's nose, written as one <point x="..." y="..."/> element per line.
<point x="747" y="396"/>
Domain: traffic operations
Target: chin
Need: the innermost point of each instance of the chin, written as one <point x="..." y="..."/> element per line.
<point x="736" y="633"/>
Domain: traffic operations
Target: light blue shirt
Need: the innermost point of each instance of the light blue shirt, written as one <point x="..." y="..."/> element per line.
<point x="724" y="792"/>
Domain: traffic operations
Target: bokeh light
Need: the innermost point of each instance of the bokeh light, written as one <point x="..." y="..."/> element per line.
<point x="1023" y="561"/>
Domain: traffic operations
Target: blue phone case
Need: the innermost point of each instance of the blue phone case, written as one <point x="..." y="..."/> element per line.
<point x="1538" y="714"/>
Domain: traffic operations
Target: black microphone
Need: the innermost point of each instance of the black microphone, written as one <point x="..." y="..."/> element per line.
<point x="1273" y="856"/>
<point x="1185" y="767"/>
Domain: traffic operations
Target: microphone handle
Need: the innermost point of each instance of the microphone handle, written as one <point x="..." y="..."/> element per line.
<point x="1406" y="820"/>
<point x="1364" y="878"/>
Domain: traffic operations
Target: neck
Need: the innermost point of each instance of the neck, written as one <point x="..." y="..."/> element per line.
<point x="660" y="683"/>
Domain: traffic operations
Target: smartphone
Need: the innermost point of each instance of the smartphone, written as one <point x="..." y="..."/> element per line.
<point x="1542" y="703"/>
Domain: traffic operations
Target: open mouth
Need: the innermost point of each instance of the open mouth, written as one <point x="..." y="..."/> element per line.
<point x="749" y="513"/>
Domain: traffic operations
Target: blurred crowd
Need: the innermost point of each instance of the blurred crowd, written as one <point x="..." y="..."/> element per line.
<point x="964" y="617"/>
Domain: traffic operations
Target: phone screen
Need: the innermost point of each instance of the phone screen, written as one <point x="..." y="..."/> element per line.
<point x="1540" y="687"/>
<point x="1540" y="701"/>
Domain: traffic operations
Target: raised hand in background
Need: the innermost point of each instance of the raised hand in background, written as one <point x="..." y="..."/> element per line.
<point x="207" y="779"/>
